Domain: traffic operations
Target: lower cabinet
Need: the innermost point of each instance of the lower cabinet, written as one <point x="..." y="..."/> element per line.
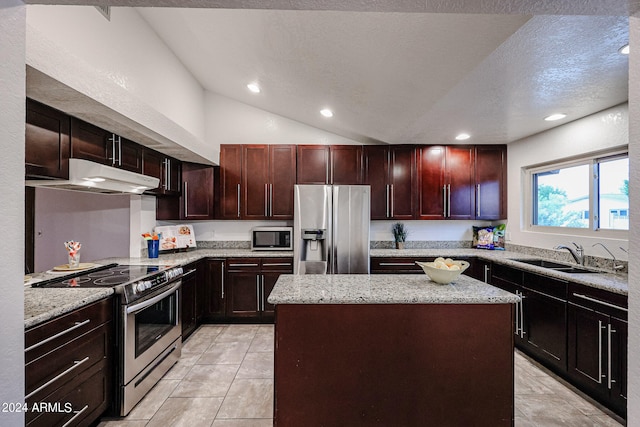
<point x="397" y="265"/>
<point x="597" y="345"/>
<point x="249" y="282"/>
<point x="68" y="373"/>
<point x="189" y="314"/>
<point x="214" y="295"/>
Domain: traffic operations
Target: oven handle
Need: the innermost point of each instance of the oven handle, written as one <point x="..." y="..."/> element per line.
<point x="151" y="301"/>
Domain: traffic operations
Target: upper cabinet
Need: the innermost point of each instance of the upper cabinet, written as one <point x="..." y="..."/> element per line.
<point x="47" y="143"/>
<point x="329" y="164"/>
<point x="391" y="172"/>
<point x="256" y="181"/>
<point x="196" y="201"/>
<point x="167" y="169"/>
<point x="491" y="182"/>
<point x="268" y="178"/>
<point x="90" y="142"/>
<point x="446" y="182"/>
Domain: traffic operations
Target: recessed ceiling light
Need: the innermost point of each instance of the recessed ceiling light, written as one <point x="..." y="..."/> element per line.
<point x="326" y="112"/>
<point x="253" y="87"/>
<point x="463" y="136"/>
<point x="624" y="49"/>
<point x="555" y="117"/>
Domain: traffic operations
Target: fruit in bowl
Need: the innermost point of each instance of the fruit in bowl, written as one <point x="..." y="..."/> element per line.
<point x="443" y="270"/>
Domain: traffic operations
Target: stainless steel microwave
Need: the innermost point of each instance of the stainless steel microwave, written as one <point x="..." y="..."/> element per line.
<point x="272" y="239"/>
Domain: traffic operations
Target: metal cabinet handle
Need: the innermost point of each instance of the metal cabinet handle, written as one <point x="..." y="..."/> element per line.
<point x="238" y="187"/>
<point x="168" y="174"/>
<point x="277" y="264"/>
<point x="449" y="201"/>
<point x="388" y="199"/>
<point x="243" y="265"/>
<point x="522" y="332"/>
<point x="600" y="374"/>
<point x="222" y="282"/>
<point x="76" y="363"/>
<point x="517" y="331"/>
<point x="78" y="413"/>
<point x="258" y="293"/>
<point x="444" y="201"/>
<point x="411" y="264"/>
<point x="610" y="332"/>
<point x="119" y="151"/>
<point x="478" y="200"/>
<point x="588" y="298"/>
<point x="59" y="334"/>
<point x="186" y="197"/>
<point x="270" y="199"/>
<point x="392" y="200"/>
<point x="263" y="296"/>
<point x="487" y="270"/>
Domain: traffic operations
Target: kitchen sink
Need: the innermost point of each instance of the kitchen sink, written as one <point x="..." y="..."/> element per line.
<point x="555" y="266"/>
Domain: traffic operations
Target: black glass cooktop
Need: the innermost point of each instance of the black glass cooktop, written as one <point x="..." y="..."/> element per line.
<point x="104" y="276"/>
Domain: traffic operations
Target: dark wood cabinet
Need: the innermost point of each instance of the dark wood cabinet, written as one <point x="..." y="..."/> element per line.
<point x="92" y="143"/>
<point x="329" y="164"/>
<point x="391" y="172"/>
<point x="167" y="169"/>
<point x="545" y="320"/>
<point x="214" y="300"/>
<point x="47" y="142"/>
<point x="249" y="281"/>
<point x="479" y="269"/>
<point x="397" y="265"/>
<point x="445" y="182"/>
<point x="597" y="345"/>
<point x="69" y="362"/>
<point x="189" y="299"/>
<point x="230" y="181"/>
<point x="268" y="178"/>
<point x="313" y="164"/>
<point x="491" y="182"/>
<point x="196" y="200"/>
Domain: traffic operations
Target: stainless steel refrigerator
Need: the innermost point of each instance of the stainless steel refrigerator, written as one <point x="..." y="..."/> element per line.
<point x="331" y="229"/>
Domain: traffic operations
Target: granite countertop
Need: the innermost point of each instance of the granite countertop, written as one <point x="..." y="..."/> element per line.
<point x="384" y="289"/>
<point x="41" y="305"/>
<point x="44" y="304"/>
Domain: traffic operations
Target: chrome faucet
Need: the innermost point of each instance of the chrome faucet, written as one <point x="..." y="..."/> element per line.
<point x="577" y="253"/>
<point x="616" y="267"/>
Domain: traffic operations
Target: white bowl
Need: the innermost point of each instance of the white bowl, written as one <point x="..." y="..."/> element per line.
<point x="440" y="275"/>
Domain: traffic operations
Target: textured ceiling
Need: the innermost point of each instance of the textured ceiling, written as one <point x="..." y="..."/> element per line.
<point x="405" y="77"/>
<point x="404" y="71"/>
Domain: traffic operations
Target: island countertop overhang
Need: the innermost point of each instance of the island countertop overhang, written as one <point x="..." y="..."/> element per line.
<point x="384" y="289"/>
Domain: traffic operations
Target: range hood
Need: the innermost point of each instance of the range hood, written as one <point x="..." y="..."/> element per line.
<point x="85" y="175"/>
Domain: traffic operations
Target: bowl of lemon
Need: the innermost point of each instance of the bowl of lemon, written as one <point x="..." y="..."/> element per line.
<point x="443" y="270"/>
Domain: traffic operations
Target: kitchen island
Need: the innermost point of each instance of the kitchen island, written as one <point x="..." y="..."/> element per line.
<point x="400" y="350"/>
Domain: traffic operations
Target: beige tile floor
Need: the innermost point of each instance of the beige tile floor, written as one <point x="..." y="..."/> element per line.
<point x="225" y="379"/>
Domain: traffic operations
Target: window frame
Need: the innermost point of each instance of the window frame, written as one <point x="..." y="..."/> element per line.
<point x="592" y="160"/>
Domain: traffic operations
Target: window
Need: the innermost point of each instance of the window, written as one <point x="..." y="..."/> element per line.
<point x="590" y="194"/>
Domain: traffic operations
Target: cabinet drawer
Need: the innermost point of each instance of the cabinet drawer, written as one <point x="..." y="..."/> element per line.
<point x="546" y="285"/>
<point x="278" y="264"/>
<point x="44" y="338"/>
<point x="599" y="300"/>
<point x="243" y="264"/>
<point x="49" y="372"/>
<point x="506" y="274"/>
<point x="401" y="265"/>
<point x="78" y="403"/>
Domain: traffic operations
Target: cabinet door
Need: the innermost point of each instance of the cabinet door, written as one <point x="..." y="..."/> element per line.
<point x="587" y="345"/>
<point x="402" y="174"/>
<point x="376" y="174"/>
<point x="545" y="328"/>
<point x="189" y="321"/>
<point x="214" y="297"/>
<point x="230" y="181"/>
<point x="491" y="182"/>
<point x="197" y="191"/>
<point x="129" y="156"/>
<point x="313" y="164"/>
<point x="282" y="179"/>
<point x="268" y="282"/>
<point x="152" y="166"/>
<point x="618" y="336"/>
<point x="243" y="293"/>
<point x="460" y="180"/>
<point x="255" y="181"/>
<point x="346" y="164"/>
<point x="173" y="175"/>
<point x="431" y="185"/>
<point x="89" y="142"/>
<point x="47" y="144"/>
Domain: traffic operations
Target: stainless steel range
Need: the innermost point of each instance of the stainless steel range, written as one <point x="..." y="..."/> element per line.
<point x="149" y="327"/>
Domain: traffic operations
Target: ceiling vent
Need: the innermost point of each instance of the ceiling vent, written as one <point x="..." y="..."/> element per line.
<point x="105" y="11"/>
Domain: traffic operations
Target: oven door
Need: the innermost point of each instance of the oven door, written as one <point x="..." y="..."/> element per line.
<point x="150" y="327"/>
